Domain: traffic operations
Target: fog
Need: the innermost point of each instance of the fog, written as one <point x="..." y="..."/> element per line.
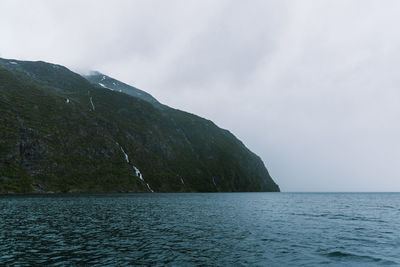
<point x="312" y="87"/>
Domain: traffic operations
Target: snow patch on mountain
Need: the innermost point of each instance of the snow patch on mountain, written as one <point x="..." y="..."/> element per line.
<point x="102" y="85"/>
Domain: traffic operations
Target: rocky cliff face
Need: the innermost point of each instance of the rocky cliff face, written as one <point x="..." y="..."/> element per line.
<point x="60" y="132"/>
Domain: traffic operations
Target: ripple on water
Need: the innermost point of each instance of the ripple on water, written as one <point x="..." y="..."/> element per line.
<point x="200" y="229"/>
<point x="354" y="258"/>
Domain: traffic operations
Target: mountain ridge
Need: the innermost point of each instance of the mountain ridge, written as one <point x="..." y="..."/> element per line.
<point x="62" y="133"/>
<point x="99" y="79"/>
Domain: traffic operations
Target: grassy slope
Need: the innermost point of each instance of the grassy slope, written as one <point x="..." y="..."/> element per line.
<point x="47" y="144"/>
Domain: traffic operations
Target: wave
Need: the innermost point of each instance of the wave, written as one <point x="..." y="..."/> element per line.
<point x="340" y="255"/>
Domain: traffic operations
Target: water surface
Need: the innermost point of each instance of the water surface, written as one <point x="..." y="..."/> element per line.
<point x="238" y="229"/>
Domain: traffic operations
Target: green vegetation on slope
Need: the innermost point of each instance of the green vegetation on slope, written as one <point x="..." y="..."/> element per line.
<point x="53" y="139"/>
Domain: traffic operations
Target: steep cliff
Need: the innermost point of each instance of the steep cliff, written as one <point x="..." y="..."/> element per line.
<point x="61" y="133"/>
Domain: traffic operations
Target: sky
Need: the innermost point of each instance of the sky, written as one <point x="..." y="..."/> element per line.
<point x="311" y="86"/>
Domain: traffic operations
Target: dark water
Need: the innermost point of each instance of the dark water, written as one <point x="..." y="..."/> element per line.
<point x="256" y="229"/>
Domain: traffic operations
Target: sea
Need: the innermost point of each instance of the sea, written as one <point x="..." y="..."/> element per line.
<point x="201" y="229"/>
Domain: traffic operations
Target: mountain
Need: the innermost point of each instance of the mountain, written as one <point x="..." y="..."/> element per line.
<point x="104" y="81"/>
<point x="61" y="132"/>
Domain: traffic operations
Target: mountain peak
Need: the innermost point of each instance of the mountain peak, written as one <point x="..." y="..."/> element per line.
<point x="61" y="133"/>
<point x="101" y="80"/>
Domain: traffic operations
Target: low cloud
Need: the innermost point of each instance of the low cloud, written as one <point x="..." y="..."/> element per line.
<point x="310" y="86"/>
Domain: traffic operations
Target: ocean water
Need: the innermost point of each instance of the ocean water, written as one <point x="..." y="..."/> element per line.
<point x="238" y="229"/>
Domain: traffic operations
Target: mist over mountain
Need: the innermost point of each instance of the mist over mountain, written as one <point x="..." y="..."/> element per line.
<point x="99" y="79"/>
<point x="62" y="132"/>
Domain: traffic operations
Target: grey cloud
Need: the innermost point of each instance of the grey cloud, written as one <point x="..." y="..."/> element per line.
<point x="311" y="86"/>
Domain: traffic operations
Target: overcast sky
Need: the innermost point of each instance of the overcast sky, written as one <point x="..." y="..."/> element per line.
<point x="312" y="87"/>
